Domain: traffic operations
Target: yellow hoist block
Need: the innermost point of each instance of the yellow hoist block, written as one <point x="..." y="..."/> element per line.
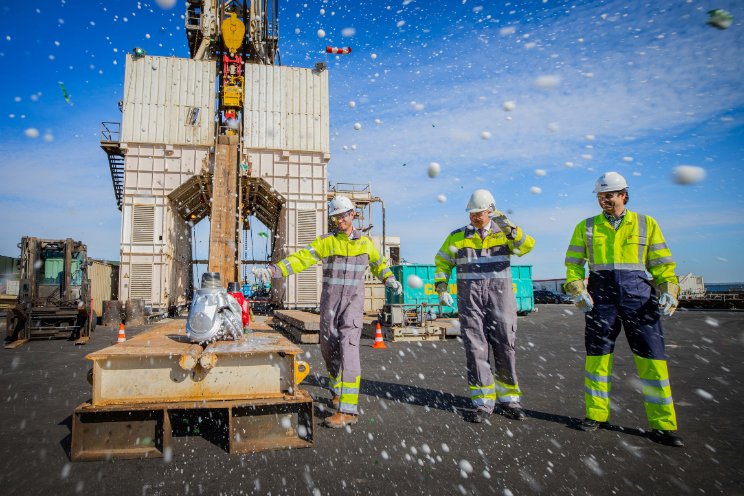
<point x="233" y="32"/>
<point x="232" y="96"/>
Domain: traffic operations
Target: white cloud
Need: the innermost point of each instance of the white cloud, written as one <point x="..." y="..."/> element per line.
<point x="654" y="86"/>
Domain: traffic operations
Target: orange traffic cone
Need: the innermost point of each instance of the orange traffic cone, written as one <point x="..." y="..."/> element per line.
<point x="379" y="343"/>
<point x="122" y="335"/>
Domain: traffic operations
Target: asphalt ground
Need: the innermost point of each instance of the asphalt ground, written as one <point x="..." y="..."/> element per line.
<point x="411" y="438"/>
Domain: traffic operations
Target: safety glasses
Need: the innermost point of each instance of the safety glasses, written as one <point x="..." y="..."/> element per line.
<point x="482" y="214"/>
<point x="339" y="217"/>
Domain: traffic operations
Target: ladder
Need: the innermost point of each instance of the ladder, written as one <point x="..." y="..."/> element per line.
<point x="110" y="132"/>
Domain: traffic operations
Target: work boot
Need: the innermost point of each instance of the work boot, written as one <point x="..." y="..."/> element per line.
<point x="335" y="401"/>
<point x="339" y="420"/>
<point x="589" y="425"/>
<point x="668" y="438"/>
<point x="513" y="412"/>
<point x="477" y="416"/>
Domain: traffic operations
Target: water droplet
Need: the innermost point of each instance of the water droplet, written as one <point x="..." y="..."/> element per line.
<point x="413" y="281"/>
<point x="688" y="174"/>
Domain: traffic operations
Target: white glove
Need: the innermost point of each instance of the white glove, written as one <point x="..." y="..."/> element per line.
<point x="667" y="304"/>
<point x="507" y="227"/>
<point x="584" y="302"/>
<point x="446" y="299"/>
<point x="397" y="287"/>
<point x="265" y="275"/>
<point x="668" y="299"/>
<point x="581" y="298"/>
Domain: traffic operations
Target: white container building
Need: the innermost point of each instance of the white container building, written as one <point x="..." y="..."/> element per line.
<point x="168" y="134"/>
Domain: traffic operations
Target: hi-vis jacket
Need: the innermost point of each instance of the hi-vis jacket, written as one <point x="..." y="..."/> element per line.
<point x="345" y="259"/>
<point x="478" y="259"/>
<point x="637" y="245"/>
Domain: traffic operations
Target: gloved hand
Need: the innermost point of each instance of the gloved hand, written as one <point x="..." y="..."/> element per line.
<point x="507" y="227"/>
<point x="397" y="287"/>
<point x="265" y="275"/>
<point x="584" y="302"/>
<point x="581" y="297"/>
<point x="668" y="300"/>
<point x="446" y="299"/>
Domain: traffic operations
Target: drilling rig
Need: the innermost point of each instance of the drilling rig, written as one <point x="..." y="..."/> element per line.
<point x="227" y="133"/>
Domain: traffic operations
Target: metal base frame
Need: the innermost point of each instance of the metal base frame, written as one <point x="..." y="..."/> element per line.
<point x="147" y="430"/>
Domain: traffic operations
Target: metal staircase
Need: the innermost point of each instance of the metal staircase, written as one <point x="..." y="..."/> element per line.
<point x="110" y="135"/>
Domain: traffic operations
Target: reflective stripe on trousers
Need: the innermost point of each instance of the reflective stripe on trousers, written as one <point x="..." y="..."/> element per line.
<point x="597" y="375"/>
<point x="335" y="384"/>
<point x="508" y="393"/>
<point x="657" y="393"/>
<point x="349" y="397"/>
<point x="483" y="397"/>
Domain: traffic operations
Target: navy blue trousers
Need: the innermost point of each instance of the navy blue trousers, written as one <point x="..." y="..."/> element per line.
<point x="623" y="298"/>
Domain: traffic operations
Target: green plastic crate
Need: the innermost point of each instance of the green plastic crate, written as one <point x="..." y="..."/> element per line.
<point x="521" y="282"/>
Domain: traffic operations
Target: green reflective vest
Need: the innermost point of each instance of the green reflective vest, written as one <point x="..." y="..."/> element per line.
<point x="636" y="245"/>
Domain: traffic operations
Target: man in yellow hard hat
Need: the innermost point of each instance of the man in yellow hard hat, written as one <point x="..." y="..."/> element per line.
<point x="481" y="252"/>
<point x="622" y="247"/>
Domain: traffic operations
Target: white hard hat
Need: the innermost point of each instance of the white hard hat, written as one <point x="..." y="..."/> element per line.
<point x="338" y="205"/>
<point x="610" y="181"/>
<point x="480" y="200"/>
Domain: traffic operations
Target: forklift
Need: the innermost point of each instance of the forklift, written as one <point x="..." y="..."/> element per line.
<point x="54" y="293"/>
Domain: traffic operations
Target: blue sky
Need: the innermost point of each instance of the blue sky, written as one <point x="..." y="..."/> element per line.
<point x="639" y="88"/>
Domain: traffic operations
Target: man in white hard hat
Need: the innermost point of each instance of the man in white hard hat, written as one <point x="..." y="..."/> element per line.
<point x="486" y="303"/>
<point x="622" y="247"/>
<point x="345" y="254"/>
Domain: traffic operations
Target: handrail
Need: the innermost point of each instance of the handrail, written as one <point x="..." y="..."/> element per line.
<point x="110" y="132"/>
<point x="354" y="187"/>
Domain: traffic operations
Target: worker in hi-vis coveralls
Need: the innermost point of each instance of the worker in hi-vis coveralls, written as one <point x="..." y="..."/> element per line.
<point x="345" y="254"/>
<point x="481" y="252"/>
<point x="622" y="248"/>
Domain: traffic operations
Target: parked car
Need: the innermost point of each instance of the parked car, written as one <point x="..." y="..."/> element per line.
<point x="546" y="296"/>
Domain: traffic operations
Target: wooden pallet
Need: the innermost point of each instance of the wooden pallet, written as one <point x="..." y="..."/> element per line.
<point x="431" y="333"/>
<point x="146" y="430"/>
<point x="297" y="335"/>
<point x="438" y="330"/>
<point x="302" y="327"/>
